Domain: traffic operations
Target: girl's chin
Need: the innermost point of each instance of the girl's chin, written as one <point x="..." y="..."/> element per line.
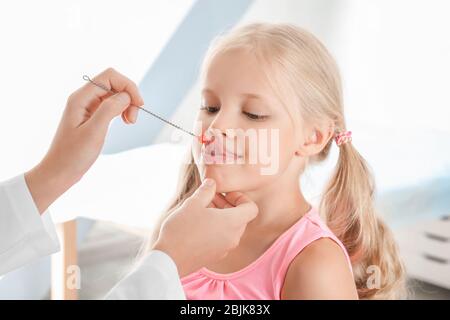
<point x="224" y="182"/>
<point x="232" y="177"/>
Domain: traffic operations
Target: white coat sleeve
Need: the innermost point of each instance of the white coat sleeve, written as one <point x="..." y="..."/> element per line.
<point x="25" y="235"/>
<point x="155" y="278"/>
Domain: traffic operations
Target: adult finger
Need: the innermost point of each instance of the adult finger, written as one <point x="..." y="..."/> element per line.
<point x="244" y="209"/>
<point x="205" y="193"/>
<point x="110" y="80"/>
<point x="109" y="109"/>
<point x="220" y="201"/>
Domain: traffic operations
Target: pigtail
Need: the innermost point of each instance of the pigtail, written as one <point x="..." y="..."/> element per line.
<point x="348" y="207"/>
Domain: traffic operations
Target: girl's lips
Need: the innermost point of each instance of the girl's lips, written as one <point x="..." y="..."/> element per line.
<point x="213" y="154"/>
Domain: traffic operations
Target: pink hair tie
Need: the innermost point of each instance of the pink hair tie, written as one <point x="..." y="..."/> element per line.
<point x="343" y="137"/>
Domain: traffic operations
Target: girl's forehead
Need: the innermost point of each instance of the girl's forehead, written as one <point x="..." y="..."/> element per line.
<point x="238" y="72"/>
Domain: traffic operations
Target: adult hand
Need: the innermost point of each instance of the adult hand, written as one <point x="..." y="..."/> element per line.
<point x="81" y="135"/>
<point x="198" y="233"/>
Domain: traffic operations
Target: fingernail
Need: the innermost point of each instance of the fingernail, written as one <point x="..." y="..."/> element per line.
<point x="208" y="182"/>
<point x="134" y="115"/>
<point x="125" y="118"/>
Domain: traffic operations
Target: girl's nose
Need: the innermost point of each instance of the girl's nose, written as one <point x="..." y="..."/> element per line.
<point x="208" y="137"/>
<point x="212" y="134"/>
<point x="206" y="140"/>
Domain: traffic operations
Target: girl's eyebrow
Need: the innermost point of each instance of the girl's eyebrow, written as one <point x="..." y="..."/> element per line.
<point x="252" y="96"/>
<point x="247" y="95"/>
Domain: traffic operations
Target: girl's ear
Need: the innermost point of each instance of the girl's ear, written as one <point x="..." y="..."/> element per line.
<point x="315" y="140"/>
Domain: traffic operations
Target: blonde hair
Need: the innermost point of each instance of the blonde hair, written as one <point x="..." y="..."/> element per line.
<point x="347" y="203"/>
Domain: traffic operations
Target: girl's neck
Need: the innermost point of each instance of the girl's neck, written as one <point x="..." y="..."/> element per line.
<point x="280" y="204"/>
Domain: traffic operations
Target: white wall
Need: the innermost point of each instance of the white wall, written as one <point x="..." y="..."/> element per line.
<point x="46" y="48"/>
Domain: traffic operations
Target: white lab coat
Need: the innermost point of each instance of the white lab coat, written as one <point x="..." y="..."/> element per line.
<point x="26" y="236"/>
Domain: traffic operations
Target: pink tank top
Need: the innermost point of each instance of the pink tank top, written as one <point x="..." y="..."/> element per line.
<point x="262" y="279"/>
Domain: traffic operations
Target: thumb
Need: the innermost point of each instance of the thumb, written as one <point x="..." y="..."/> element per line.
<point x="111" y="107"/>
<point x="205" y="193"/>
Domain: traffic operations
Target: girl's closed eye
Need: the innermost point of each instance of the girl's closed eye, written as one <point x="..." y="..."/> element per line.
<point x="210" y="109"/>
<point x="250" y="115"/>
<point x="257" y="117"/>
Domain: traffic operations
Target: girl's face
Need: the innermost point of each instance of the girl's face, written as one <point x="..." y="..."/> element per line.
<point x="251" y="138"/>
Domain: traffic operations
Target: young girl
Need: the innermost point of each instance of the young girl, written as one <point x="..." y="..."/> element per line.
<point x="280" y="77"/>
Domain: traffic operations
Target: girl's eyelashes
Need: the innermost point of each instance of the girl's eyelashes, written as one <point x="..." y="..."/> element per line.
<point x="251" y="116"/>
<point x="210" y="109"/>
<point x="255" y="117"/>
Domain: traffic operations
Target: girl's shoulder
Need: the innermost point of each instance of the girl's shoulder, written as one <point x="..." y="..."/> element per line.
<point x="320" y="271"/>
<point x="317" y="260"/>
<point x="310" y="228"/>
